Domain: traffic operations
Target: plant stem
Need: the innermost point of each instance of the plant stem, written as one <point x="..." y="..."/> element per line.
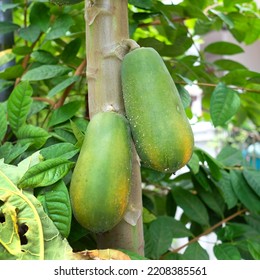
<point x="106" y="29"/>
<point x="209" y="230"/>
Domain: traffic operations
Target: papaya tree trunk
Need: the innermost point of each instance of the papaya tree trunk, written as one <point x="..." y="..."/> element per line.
<point x="106" y="34"/>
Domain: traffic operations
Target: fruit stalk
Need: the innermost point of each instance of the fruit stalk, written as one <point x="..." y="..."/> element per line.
<point x="106" y="29"/>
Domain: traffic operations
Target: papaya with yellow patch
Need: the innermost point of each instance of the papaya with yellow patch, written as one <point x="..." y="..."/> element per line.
<point x="161" y="131"/>
<point x="100" y="183"/>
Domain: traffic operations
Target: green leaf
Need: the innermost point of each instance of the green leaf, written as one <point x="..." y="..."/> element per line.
<point x="7" y="6"/>
<point x="12" y="72"/>
<point x="145" y="4"/>
<point x="20" y="214"/>
<point x="230" y="156"/>
<point x="224" y="104"/>
<point x="254" y="221"/>
<point x="244" y="193"/>
<point x="228" y="21"/>
<point x="7" y="27"/>
<point x="191" y="205"/>
<point x="60" y="27"/>
<point x="227" y="64"/>
<point x="45" y="72"/>
<point x="78" y="134"/>
<point x="253" y="179"/>
<point x="185" y="96"/>
<point x="44" y="57"/>
<point x="194" y="163"/>
<point x="224" y="184"/>
<point x="64" y="113"/>
<point x="19" y="104"/>
<point x="56" y="203"/>
<point x="70" y="51"/>
<point x="223" y="48"/>
<point x="60" y="150"/>
<point x="226" y="252"/>
<point x="45" y="173"/>
<point x="30" y="33"/>
<point x="61" y="86"/>
<point x="34" y="135"/>
<point x="39" y="16"/>
<point x="3" y="122"/>
<point x="254" y="249"/>
<point x="10" y="152"/>
<point x="6" y="56"/>
<point x="162" y="231"/>
<point x="195" y="252"/>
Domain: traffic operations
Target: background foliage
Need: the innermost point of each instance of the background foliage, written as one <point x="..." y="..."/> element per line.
<point x="42" y="126"/>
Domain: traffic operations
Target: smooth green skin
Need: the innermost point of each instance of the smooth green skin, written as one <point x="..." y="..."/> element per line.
<point x="159" y="125"/>
<point x="100" y="184"/>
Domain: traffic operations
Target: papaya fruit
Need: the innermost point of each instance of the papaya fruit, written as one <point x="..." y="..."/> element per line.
<point x="100" y="183"/>
<point x="161" y="131"/>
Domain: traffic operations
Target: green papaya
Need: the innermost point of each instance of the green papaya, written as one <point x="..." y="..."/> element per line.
<point x="161" y="131"/>
<point x="100" y="183"/>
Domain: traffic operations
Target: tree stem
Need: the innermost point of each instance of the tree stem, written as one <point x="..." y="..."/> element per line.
<point x="106" y="30"/>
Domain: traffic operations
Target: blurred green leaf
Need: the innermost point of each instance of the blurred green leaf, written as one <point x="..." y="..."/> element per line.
<point x="244" y="193"/>
<point x="226" y="252"/>
<point x="223" y="48"/>
<point x="230" y="65"/>
<point x="61" y="86"/>
<point x="3" y="122"/>
<point x="10" y="152"/>
<point x="194" y="163"/>
<point x="18" y="105"/>
<point x="12" y="72"/>
<point x="230" y="156"/>
<point x="70" y="51"/>
<point x="191" y="205"/>
<point x="30" y="33"/>
<point x="64" y="113"/>
<point x="60" y="26"/>
<point x="39" y="16"/>
<point x="44" y="57"/>
<point x="253" y="179"/>
<point x="7" y="27"/>
<point x="195" y="252"/>
<point x="145" y="4"/>
<point x="45" y="72"/>
<point x="45" y="173"/>
<point x="254" y="249"/>
<point x="162" y="231"/>
<point x="224" y="104"/>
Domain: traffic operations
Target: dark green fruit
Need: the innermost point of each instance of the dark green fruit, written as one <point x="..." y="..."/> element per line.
<point x="100" y="184"/>
<point x="160" y="128"/>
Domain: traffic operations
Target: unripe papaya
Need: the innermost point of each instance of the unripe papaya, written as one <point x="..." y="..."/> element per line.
<point x="161" y="131"/>
<point x="100" y="183"/>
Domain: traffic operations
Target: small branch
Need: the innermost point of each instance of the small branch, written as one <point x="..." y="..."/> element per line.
<point x="214" y="85"/>
<point x="43" y="99"/>
<point x="66" y="92"/>
<point x="209" y="230"/>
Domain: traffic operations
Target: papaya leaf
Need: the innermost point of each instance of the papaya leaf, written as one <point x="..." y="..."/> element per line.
<point x="33" y="135"/>
<point x="18" y="105"/>
<point x="56" y="203"/>
<point x="226" y="252"/>
<point x="3" y="122"/>
<point x="20" y="215"/>
<point x="224" y="104"/>
<point x="45" y="173"/>
<point x="195" y="252"/>
<point x="63" y="150"/>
